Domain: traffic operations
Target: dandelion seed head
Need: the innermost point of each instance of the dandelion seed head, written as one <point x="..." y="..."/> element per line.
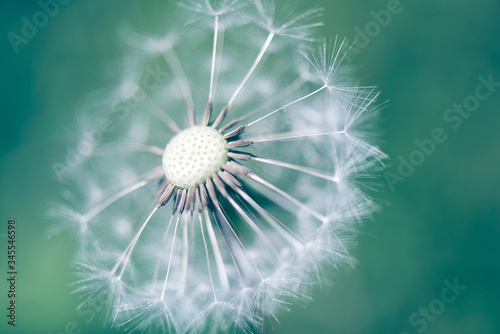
<point x="235" y="175"/>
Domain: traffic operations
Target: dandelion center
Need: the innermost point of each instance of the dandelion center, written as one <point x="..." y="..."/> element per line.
<point x="193" y="155"/>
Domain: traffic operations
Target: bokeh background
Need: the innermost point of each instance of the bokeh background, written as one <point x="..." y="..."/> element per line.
<point x="440" y="223"/>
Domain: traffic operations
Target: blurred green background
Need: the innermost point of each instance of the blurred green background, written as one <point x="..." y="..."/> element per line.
<point x="442" y="224"/>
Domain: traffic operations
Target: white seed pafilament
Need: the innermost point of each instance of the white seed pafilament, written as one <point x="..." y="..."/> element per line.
<point x="193" y="155"/>
<point x="235" y="179"/>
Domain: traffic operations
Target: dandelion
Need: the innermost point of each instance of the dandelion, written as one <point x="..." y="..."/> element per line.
<point x="232" y="176"/>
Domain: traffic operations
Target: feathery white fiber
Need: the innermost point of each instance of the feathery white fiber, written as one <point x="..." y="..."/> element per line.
<point x="233" y="175"/>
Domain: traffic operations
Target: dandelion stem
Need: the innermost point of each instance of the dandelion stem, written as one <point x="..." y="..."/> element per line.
<point x="160" y="255"/>
<point x="221" y="269"/>
<point x="297" y="136"/>
<point x="302" y="169"/>
<point x="252" y="69"/>
<point x="292" y="199"/>
<point x="275" y="223"/>
<point x="114" y="149"/>
<point x="208" y="257"/>
<point x="237" y="264"/>
<point x="287" y="105"/>
<point x="296" y="84"/>
<point x="245" y="252"/>
<point x="185" y="259"/>
<point x="96" y="210"/>
<point x="173" y="61"/>
<point x="130" y="248"/>
<point x="214" y="54"/>
<point x="170" y="259"/>
<point x="252" y="225"/>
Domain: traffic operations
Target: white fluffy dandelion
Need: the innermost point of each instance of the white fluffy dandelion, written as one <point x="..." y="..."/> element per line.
<point x="227" y="177"/>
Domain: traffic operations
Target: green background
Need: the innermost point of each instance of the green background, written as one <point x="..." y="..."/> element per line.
<point x="441" y="223"/>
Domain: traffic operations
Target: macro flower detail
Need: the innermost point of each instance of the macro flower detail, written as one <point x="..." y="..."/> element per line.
<point x="230" y="179"/>
<point x="193" y="155"/>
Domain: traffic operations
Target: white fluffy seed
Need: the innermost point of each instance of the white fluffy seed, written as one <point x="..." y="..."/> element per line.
<point x="193" y="155"/>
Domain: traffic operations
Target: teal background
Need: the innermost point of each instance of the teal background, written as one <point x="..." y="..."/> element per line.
<point x="441" y="223"/>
